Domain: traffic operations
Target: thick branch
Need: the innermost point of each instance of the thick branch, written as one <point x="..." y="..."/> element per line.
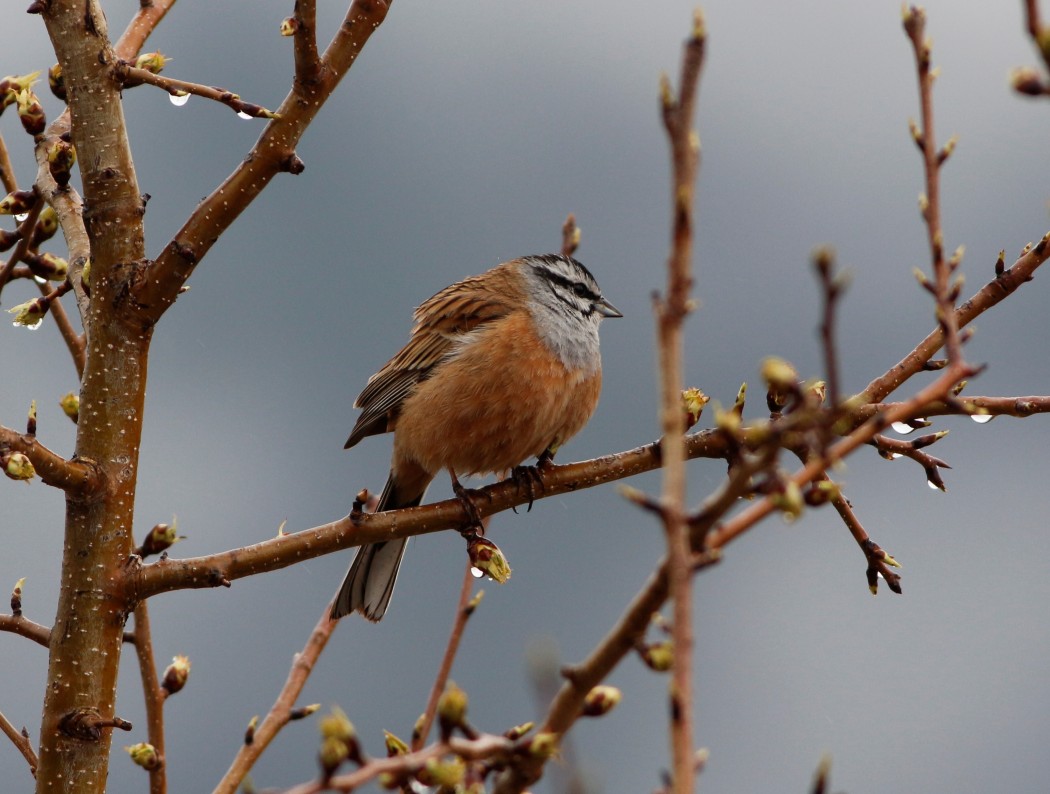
<point x="273" y="153"/>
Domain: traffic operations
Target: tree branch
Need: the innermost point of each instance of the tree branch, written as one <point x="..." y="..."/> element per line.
<point x="159" y="285"/>
<point x="281" y="711"/>
<point x="21" y="742"/>
<point x="464" y="610"/>
<point x="988" y="296"/>
<point x="678" y="114"/>
<point x="154" y="697"/>
<point x="75" y="477"/>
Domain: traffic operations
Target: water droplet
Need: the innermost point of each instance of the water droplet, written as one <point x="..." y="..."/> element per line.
<point x="21" y="216"/>
<point x="982" y="418"/>
<point x="39" y="280"/>
<point x="179" y="101"/>
<point x="932" y="485"/>
<point x="242" y="115"/>
<point x="895" y="455"/>
<point x="477" y="573"/>
<point x="903" y="428"/>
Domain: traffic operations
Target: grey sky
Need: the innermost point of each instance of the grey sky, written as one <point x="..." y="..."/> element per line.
<point x="464" y="135"/>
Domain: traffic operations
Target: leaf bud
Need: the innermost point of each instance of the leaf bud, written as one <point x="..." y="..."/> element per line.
<point x="30" y="112"/>
<point x="394" y="745"/>
<point x="144" y="755"/>
<point x="659" y="656"/>
<point x="601" y="700"/>
<point x="56" y="82"/>
<point x="61" y="156"/>
<point x="176" y="675"/>
<point x="31" y="313"/>
<point x="17" y="202"/>
<point x="452" y="708"/>
<point x="70" y="405"/>
<point x="152" y="61"/>
<point x="693" y="401"/>
<point x="486" y="557"/>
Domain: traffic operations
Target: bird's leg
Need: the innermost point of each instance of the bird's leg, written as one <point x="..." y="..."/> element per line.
<point x="531" y="477"/>
<point x="466" y="498"/>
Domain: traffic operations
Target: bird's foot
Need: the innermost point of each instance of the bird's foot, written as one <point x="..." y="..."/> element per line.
<point x="467" y="497"/>
<point x="530" y="480"/>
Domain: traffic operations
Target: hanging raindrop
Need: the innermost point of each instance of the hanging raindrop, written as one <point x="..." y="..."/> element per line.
<point x="178" y="100"/>
<point x="242" y="115"/>
<point x="982" y="418"/>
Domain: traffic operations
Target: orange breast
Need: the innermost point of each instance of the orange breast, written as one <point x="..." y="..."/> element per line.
<point x="501" y="399"/>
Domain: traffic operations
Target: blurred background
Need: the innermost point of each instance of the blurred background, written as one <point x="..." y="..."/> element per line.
<point x="462" y="137"/>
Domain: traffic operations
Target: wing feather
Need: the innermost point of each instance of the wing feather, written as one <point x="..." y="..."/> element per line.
<point x="441" y="322"/>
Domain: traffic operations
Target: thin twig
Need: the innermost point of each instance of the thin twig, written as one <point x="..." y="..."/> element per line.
<point x="570" y="236"/>
<point x="21" y="742"/>
<point x="419" y="737"/>
<point x="933" y="158"/>
<point x="678" y="114"/>
<point x="7" y="173"/>
<point x="279" y="714"/>
<point x="154" y="696"/>
<point x="484" y="746"/>
<point x="22" y="246"/>
<point x="985" y="298"/>
<point x="74" y="341"/>
<point x="133" y="75"/>
<point x="141" y="26"/>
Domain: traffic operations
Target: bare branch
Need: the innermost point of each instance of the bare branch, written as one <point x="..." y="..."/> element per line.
<point x="307" y="60"/>
<point x="72" y="476"/>
<point x="988" y="296"/>
<point x="678" y="114"/>
<point x="7" y="173"/>
<point x="133" y="75"/>
<point x="141" y="26"/>
<point x="930" y="203"/>
<point x="21" y="741"/>
<point x="464" y="609"/>
<point x="18" y="624"/>
<point x="154" y="697"/>
<point x="280" y="713"/>
<point x="273" y="153"/>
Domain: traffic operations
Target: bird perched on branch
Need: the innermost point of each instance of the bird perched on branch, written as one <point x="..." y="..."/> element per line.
<point x="499" y="368"/>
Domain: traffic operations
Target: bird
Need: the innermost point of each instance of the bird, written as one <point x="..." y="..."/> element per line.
<point x="499" y="368"/>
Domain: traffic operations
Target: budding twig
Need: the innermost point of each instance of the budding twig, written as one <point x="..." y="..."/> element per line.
<point x="459" y="622"/>
<point x="281" y="712"/>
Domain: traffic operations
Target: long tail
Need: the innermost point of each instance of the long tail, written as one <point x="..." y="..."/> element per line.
<point x="370" y="581"/>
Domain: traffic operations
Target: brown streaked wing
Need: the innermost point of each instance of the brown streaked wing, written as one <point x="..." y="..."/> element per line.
<point x="440" y="322"/>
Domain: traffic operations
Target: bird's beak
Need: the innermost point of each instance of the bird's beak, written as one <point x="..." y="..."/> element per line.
<point x="606" y="309"/>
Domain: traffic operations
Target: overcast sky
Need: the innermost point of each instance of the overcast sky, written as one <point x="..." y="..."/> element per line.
<point x="462" y="137"/>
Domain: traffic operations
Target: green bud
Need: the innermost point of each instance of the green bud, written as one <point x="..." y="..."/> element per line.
<point x="70" y="405"/>
<point x="144" y="755"/>
<point x="601" y="700"/>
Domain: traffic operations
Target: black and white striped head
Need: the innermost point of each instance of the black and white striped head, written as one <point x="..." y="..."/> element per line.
<point x="567" y="306"/>
<point x="570" y="283"/>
